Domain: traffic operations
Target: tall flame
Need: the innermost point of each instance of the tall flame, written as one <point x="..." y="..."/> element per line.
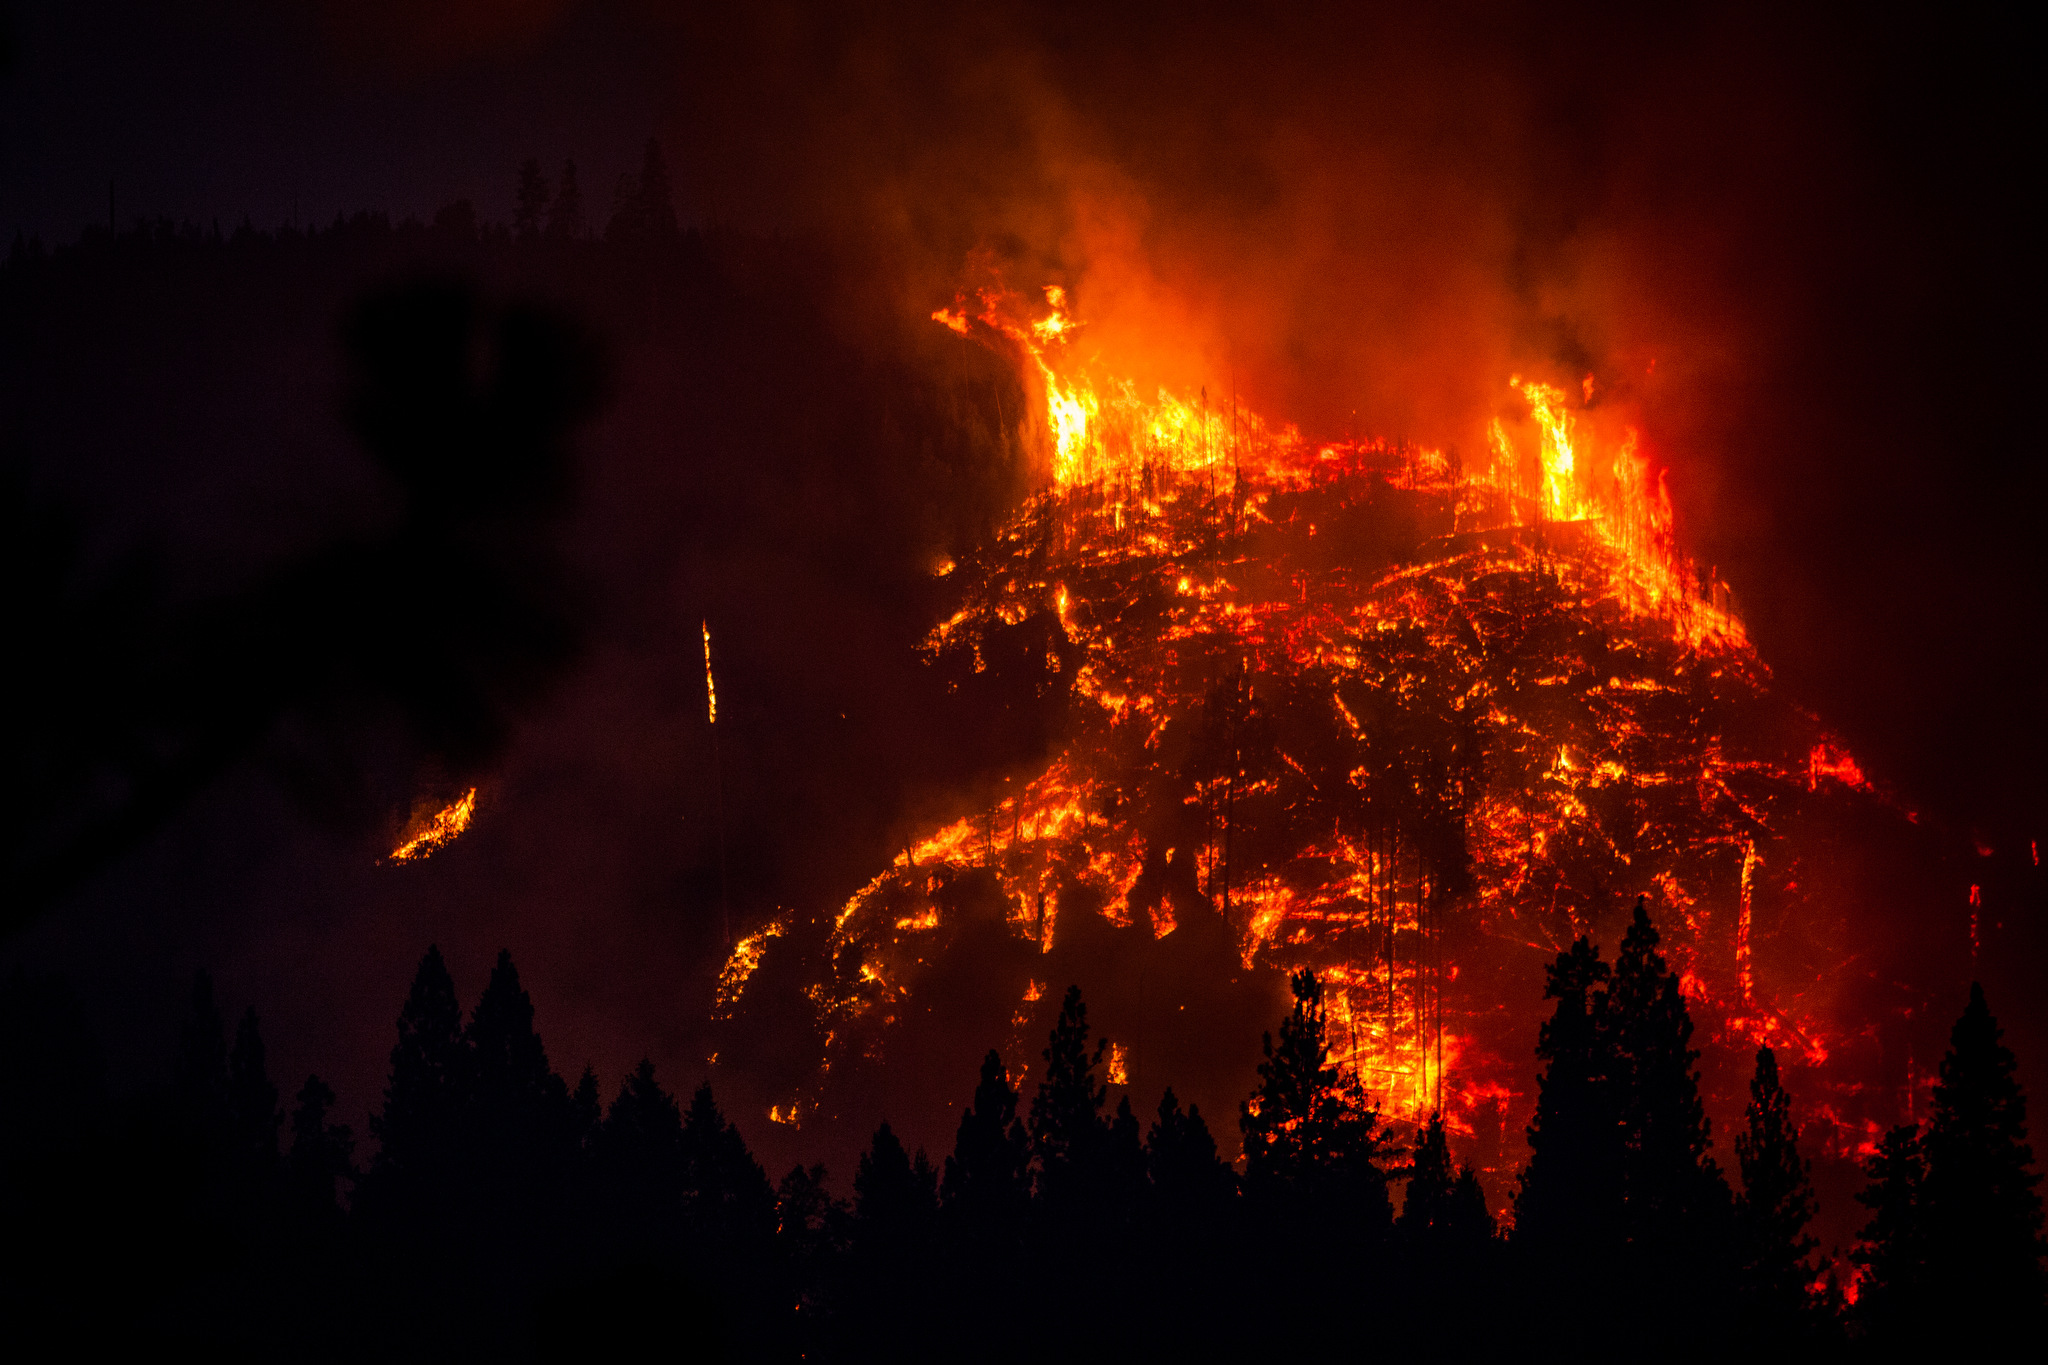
<point x="710" y="686"/>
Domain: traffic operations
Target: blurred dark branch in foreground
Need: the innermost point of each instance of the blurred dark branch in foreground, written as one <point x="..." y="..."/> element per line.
<point x="444" y="624"/>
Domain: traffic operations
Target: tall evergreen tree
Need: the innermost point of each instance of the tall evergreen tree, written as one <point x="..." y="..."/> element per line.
<point x="730" y="1197"/>
<point x="320" y="1157"/>
<point x="1068" y="1135"/>
<point x="1982" y="1214"/>
<point x="1892" y="1252"/>
<point x="531" y="201"/>
<point x="1776" y="1205"/>
<point x="253" y="1117"/>
<point x="987" y="1185"/>
<point x="895" y="1201"/>
<point x="199" y="1084"/>
<point x="1677" y="1198"/>
<point x="638" y="1164"/>
<point x="657" y="209"/>
<point x="1311" y="1142"/>
<point x="1188" y="1178"/>
<point x="565" y="215"/>
<point x="1571" y="1197"/>
<point x="420" y="1129"/>
<point x="520" y="1106"/>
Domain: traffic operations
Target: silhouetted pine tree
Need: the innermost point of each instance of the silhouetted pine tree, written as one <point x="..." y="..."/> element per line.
<point x="565" y="215"/>
<point x="1189" y="1181"/>
<point x="1775" y="1207"/>
<point x="1426" y="1206"/>
<point x="524" y="1128"/>
<point x="586" y="1109"/>
<point x="1569" y="1206"/>
<point x="987" y="1189"/>
<point x="638" y="1168"/>
<point x="731" y="1201"/>
<point x="1468" y="1220"/>
<point x="1312" y="1145"/>
<point x="531" y="201"/>
<point x="1981" y="1212"/>
<point x="420" y="1129"/>
<point x="1892" y="1254"/>
<point x="1678" y="1202"/>
<point x="657" y="209"/>
<point x="1068" y="1135"/>
<point x="895" y="1202"/>
<point x="199" y="1083"/>
<point x="320" y="1157"/>
<point x="252" y="1122"/>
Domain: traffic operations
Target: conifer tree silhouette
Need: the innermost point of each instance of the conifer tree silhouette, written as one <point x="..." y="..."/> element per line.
<point x="199" y="1084"/>
<point x="586" y="1110"/>
<point x="519" y="1101"/>
<point x="1312" y="1144"/>
<point x="531" y="201"/>
<point x="1068" y="1134"/>
<point x="639" y="1170"/>
<point x="320" y="1158"/>
<point x="1426" y="1205"/>
<point x="1981" y="1212"/>
<point x="895" y="1200"/>
<point x="1677" y="1199"/>
<point x="565" y="215"/>
<point x="1570" y="1200"/>
<point x="1775" y="1207"/>
<point x="253" y="1117"/>
<point x="1186" y="1175"/>
<point x="987" y="1178"/>
<point x="420" y="1129"/>
<point x="657" y="207"/>
<point x="731" y="1200"/>
<point x="1892" y="1252"/>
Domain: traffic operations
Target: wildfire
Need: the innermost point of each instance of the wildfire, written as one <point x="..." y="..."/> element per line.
<point x="424" y="837"/>
<point x="1361" y="708"/>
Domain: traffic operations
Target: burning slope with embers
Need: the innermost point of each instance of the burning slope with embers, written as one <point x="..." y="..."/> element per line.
<point x="1358" y="708"/>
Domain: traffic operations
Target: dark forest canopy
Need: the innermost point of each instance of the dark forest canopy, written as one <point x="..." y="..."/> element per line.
<point x="504" y="1213"/>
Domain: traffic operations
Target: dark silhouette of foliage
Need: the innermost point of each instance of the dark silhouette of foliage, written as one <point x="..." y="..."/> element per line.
<point x="419" y="1130"/>
<point x="320" y="1161"/>
<point x="1776" y="1205"/>
<point x="199" y="1085"/>
<point x="1892" y="1252"/>
<point x="565" y="215"/>
<point x="531" y="200"/>
<point x="1181" y="1162"/>
<point x="1444" y="1208"/>
<point x="1677" y="1200"/>
<point x="895" y="1200"/>
<point x="1311" y="1141"/>
<point x="1981" y="1212"/>
<point x="1068" y="1135"/>
<point x="1571" y="1190"/>
<point x="731" y="1200"/>
<point x="987" y="1183"/>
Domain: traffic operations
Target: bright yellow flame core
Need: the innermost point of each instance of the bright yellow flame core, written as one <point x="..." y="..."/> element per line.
<point x="1207" y="520"/>
<point x="710" y="686"/>
<point x="424" y="838"/>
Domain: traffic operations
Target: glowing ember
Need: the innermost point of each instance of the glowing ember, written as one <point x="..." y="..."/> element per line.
<point x="1356" y="708"/>
<point x="710" y="685"/>
<point x="424" y="837"/>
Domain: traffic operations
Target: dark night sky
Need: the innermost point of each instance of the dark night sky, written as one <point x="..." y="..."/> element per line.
<point x="1823" y="232"/>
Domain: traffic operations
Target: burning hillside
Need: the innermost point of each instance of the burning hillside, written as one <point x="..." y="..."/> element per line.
<point x="1411" y="721"/>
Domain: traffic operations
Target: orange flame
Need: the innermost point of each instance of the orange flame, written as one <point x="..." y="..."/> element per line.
<point x="423" y="838"/>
